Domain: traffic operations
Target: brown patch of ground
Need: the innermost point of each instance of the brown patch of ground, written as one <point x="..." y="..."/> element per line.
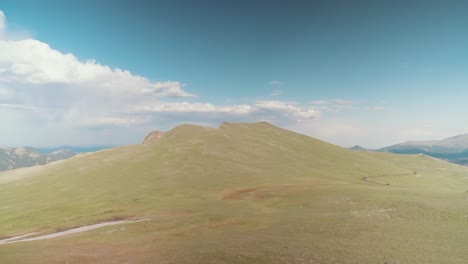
<point x="367" y="178"/>
<point x="281" y="190"/>
<point x="265" y="192"/>
<point x="239" y="194"/>
<point x="97" y="253"/>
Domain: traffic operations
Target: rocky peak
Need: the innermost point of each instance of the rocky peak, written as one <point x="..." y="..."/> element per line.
<point x="153" y="137"/>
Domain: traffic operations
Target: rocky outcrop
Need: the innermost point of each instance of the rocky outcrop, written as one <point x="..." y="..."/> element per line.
<point x="153" y="137"/>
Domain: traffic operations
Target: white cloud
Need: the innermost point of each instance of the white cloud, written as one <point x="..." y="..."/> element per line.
<point x="169" y="89"/>
<point x="334" y="105"/>
<point x="33" y="62"/>
<point x="20" y="107"/>
<point x="2" y="24"/>
<point x="319" y="102"/>
<point x="62" y="97"/>
<point x="342" y="102"/>
<point x="52" y="87"/>
<point x="276" y="83"/>
<point x="287" y="109"/>
<point x="6" y="94"/>
<point x="276" y="93"/>
<point x="185" y="107"/>
<point x="278" y="112"/>
<point x="47" y="86"/>
<point x="61" y="88"/>
<point x="121" y="121"/>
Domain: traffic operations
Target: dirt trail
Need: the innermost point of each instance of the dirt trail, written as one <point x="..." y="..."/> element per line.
<point x="23" y="238"/>
<point x="366" y="179"/>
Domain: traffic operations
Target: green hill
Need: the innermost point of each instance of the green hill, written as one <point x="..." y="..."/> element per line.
<point x="240" y="193"/>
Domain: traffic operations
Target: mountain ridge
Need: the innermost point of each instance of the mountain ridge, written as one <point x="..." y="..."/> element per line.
<point x="453" y="149"/>
<point x="239" y="193"/>
<point x="21" y="157"/>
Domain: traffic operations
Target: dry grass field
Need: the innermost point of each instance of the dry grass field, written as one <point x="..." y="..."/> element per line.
<point x="240" y="193"/>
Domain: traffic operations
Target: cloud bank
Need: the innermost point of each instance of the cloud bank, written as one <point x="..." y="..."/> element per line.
<point x="42" y="87"/>
<point x="48" y="97"/>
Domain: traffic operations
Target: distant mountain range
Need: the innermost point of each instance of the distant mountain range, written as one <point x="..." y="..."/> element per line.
<point x="453" y="149"/>
<point x="73" y="148"/>
<point x="357" y="147"/>
<point x="13" y="158"/>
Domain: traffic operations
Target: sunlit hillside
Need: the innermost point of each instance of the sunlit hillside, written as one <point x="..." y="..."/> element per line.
<point x="240" y="193"/>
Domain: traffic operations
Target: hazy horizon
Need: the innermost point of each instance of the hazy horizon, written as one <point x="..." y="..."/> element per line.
<point x="206" y="125"/>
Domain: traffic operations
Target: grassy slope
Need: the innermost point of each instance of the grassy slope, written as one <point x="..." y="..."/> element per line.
<point x="242" y="193"/>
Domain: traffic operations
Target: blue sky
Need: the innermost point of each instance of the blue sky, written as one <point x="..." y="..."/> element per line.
<point x="350" y="72"/>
